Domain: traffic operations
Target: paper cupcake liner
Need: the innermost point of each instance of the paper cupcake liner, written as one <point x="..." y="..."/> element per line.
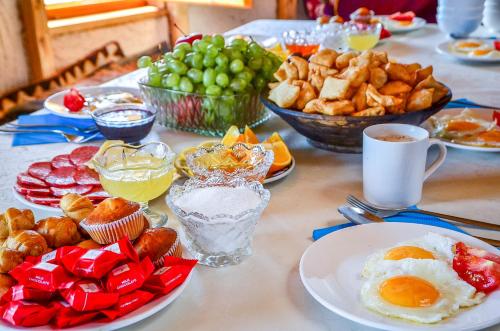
<point x="175" y="250"/>
<point x="130" y="226"/>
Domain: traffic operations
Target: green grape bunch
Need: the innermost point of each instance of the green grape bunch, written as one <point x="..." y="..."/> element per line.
<point x="211" y="67"/>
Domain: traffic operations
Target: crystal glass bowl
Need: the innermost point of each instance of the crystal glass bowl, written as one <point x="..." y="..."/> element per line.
<point x="239" y="161"/>
<point x="221" y="238"/>
<point x="202" y="114"/>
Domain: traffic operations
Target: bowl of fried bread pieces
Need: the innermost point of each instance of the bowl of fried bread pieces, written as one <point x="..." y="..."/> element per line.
<point x="332" y="97"/>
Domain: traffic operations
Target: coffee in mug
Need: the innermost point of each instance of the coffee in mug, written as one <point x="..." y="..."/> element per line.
<point x="394" y="158"/>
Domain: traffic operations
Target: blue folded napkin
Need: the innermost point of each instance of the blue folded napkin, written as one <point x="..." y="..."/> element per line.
<point x="21" y="139"/>
<point x="454" y="104"/>
<point x="407" y="217"/>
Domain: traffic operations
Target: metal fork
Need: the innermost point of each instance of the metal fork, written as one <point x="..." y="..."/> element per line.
<point x="91" y="129"/>
<point x="383" y="212"/>
<point x="71" y="138"/>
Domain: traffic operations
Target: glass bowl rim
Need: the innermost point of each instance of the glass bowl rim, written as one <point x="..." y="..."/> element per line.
<point x="265" y="162"/>
<point x="167" y="164"/>
<point x="176" y="191"/>
<point x="125" y="106"/>
<point x="142" y="82"/>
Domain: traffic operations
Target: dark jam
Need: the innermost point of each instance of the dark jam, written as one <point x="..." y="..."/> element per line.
<point x="130" y="124"/>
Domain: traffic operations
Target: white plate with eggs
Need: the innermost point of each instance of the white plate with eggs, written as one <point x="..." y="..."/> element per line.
<point x="479" y="119"/>
<point x="470" y="50"/>
<point x="331" y="268"/>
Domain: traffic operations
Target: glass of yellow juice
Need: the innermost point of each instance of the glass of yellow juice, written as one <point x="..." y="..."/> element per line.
<point x="137" y="173"/>
<point x="361" y="36"/>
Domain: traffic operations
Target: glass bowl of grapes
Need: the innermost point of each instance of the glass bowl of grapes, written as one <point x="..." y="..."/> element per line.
<point x="205" y="85"/>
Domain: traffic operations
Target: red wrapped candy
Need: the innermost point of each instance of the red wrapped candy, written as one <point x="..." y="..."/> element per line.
<point x="173" y="274"/>
<point x="127" y="304"/>
<point x="24" y="313"/>
<point x="88" y="295"/>
<point x="129" y="277"/>
<point x="44" y="276"/>
<point x="96" y="263"/>
<point x="67" y="316"/>
<point x="54" y="256"/>
<point x="22" y="292"/>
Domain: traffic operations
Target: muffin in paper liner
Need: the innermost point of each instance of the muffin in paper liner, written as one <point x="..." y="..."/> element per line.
<point x="108" y="233"/>
<point x="175" y="250"/>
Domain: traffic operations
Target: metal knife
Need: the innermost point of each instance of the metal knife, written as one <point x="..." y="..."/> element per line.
<point x="360" y="216"/>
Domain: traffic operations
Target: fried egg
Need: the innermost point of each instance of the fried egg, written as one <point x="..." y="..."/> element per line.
<point x="432" y="246"/>
<point x="420" y="290"/>
<point x="484" y="52"/>
<point x="466" y="46"/>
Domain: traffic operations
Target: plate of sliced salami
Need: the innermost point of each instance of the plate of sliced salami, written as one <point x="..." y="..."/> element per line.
<point x="43" y="184"/>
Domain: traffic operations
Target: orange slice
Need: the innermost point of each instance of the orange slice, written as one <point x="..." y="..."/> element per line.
<point x="282" y="157"/>
<point x="232" y="136"/>
<point x="275" y="137"/>
<point x="250" y="137"/>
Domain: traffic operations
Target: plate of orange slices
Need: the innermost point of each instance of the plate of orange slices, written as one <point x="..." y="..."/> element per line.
<point x="281" y="167"/>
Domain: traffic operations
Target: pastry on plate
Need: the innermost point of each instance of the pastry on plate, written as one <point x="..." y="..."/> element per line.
<point x="158" y="243"/>
<point x="9" y="259"/>
<point x="16" y="219"/>
<point x="89" y="244"/>
<point x="113" y="219"/>
<point x="58" y="231"/>
<point x="28" y="242"/>
<point x="76" y="207"/>
<point x="6" y="282"/>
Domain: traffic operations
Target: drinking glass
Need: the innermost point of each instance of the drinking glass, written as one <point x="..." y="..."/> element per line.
<point x="137" y="173"/>
<point x="362" y="37"/>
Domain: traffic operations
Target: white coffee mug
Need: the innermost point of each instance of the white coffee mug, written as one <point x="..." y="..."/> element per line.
<point x="394" y="158"/>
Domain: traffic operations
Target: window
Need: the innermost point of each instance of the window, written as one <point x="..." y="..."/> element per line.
<point x="61" y="9"/>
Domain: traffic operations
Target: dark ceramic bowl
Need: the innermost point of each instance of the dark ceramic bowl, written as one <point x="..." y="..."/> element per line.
<point x="344" y="134"/>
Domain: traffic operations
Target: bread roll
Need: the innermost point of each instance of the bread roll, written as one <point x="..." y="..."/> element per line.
<point x="58" y="231"/>
<point x="76" y="207"/>
<point x="19" y="219"/>
<point x="28" y="242"/>
<point x="157" y="243"/>
<point x="4" y="229"/>
<point x="9" y="259"/>
<point x="6" y="282"/>
<point x="89" y="244"/>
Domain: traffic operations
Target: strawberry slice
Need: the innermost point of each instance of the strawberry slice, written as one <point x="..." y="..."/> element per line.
<point x="37" y="192"/>
<point x="60" y="161"/>
<point x="29" y="181"/>
<point x="43" y="200"/>
<point x="384" y="33"/>
<point x="77" y="189"/>
<point x="482" y="273"/>
<point x="40" y="170"/>
<point x="61" y="177"/>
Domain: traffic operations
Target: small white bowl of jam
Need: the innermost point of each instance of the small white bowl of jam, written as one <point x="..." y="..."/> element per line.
<point x="127" y="122"/>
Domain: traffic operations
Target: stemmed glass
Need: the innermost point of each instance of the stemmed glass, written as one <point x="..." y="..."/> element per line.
<point x="137" y="173"/>
<point x="362" y="36"/>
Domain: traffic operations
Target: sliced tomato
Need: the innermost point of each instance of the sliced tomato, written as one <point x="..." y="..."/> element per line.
<point x="480" y="272"/>
<point x="384" y="33"/>
<point x="407" y="16"/>
<point x="461" y="248"/>
<point x="496" y="117"/>
<point x="496" y="43"/>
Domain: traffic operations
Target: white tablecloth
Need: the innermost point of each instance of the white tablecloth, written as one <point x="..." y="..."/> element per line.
<point x="264" y="292"/>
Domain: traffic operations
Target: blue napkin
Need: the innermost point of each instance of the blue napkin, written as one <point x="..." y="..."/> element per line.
<point x="453" y="104"/>
<point x="407" y="217"/>
<point x="21" y="139"/>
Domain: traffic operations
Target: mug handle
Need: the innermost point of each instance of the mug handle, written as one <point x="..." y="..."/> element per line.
<point x="440" y="159"/>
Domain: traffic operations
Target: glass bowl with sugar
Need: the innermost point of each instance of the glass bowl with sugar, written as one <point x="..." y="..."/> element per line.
<point x="219" y="217"/>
